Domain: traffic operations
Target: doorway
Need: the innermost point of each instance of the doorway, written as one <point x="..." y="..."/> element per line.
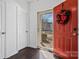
<point x="45" y="29"/>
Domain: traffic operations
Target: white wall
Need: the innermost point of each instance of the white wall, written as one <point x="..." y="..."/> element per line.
<point x="36" y="6"/>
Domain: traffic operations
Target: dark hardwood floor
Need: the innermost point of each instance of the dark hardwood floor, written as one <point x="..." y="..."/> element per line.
<point x="29" y="53"/>
<point x="26" y="53"/>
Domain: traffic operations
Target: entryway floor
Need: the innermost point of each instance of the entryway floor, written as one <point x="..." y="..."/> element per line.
<point x="31" y="53"/>
<point x="26" y="53"/>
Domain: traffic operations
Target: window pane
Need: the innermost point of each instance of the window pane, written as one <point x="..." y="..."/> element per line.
<point x="47" y="22"/>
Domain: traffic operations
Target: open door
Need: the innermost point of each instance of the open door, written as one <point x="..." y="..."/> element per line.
<point x="65" y="34"/>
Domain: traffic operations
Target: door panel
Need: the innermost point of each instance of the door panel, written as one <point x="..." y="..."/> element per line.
<point x="11" y="39"/>
<point x="65" y="36"/>
<point x="22" y="28"/>
<point x="2" y="30"/>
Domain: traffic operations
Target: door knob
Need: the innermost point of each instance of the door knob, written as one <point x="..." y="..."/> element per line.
<point x="3" y="33"/>
<point x="75" y="32"/>
<point x="75" y="29"/>
<point x="26" y="31"/>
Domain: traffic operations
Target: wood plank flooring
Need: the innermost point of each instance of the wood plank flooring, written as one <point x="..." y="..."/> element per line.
<point x="26" y="53"/>
<point x="29" y="53"/>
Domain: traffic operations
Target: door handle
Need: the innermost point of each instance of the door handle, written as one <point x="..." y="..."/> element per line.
<point x="26" y="31"/>
<point x="75" y="30"/>
<point x="3" y="33"/>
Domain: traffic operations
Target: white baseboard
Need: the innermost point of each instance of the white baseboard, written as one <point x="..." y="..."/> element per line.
<point x="11" y="55"/>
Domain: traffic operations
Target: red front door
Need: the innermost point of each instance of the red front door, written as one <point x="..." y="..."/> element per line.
<point x="65" y="36"/>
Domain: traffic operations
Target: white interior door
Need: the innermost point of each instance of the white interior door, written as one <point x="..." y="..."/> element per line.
<point x="22" y="28"/>
<point x="2" y="30"/>
<point x="11" y="37"/>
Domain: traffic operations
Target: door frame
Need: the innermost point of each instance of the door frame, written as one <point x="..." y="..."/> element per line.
<point x="39" y="22"/>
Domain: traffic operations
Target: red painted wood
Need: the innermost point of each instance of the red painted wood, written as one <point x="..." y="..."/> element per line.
<point x="65" y="43"/>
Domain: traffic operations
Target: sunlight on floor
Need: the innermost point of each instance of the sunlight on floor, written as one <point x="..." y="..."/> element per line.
<point x="46" y="55"/>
